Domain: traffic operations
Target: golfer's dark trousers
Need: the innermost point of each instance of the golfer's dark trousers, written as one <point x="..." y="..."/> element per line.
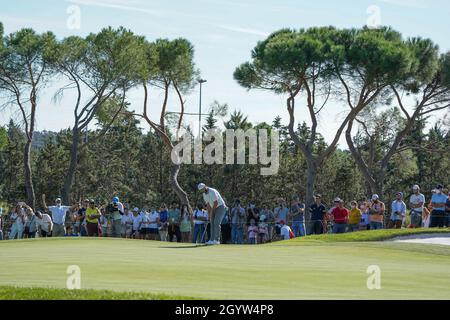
<point x="438" y="219"/>
<point x="174" y="230"/>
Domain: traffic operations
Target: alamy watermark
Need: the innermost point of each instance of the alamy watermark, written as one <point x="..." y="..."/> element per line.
<point x="374" y="279"/>
<point x="211" y="149"/>
<point x="374" y="19"/>
<point x="74" y="19"/>
<point x="73" y="281"/>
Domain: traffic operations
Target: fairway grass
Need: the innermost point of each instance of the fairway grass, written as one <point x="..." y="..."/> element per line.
<point x="317" y="267"/>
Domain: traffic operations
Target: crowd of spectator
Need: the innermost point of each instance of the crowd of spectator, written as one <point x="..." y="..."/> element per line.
<point x="241" y="224"/>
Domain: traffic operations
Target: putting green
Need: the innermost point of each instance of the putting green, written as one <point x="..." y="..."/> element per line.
<point x="283" y="270"/>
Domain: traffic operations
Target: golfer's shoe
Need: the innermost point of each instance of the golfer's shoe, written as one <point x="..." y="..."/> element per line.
<point x="210" y="242"/>
<point x="216" y="242"/>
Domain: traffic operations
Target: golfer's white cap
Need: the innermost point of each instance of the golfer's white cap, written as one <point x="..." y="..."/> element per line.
<point x="136" y="209"/>
<point x="375" y="197"/>
<point x="58" y="200"/>
<point x="201" y="186"/>
<point x="416" y="187"/>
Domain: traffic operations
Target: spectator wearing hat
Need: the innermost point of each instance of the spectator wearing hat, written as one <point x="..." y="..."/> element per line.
<point x="115" y="201"/>
<point x="58" y="212"/>
<point x="93" y="215"/>
<point x="318" y="211"/>
<point x="116" y="211"/>
<point x="237" y="223"/>
<point x="438" y="202"/>
<point x="340" y="216"/>
<point x="354" y="216"/>
<point x="416" y="204"/>
<point x="398" y="212"/>
<point x="377" y="210"/>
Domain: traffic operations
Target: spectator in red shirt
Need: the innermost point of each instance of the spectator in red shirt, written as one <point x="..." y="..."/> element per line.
<point x="340" y="216"/>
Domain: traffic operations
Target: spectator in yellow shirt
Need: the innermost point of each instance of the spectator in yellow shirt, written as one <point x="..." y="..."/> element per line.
<point x="92" y="218"/>
<point x="354" y="217"/>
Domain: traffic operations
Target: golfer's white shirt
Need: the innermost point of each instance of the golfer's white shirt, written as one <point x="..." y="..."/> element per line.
<point x="213" y="195"/>
<point x="285" y="232"/>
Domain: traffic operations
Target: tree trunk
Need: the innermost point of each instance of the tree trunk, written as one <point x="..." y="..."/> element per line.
<point x="310" y="181"/>
<point x="182" y="195"/>
<point x="31" y="199"/>
<point x="68" y="181"/>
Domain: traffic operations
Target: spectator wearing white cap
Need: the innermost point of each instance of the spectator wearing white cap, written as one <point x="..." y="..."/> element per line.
<point x="216" y="210"/>
<point x="398" y="211"/>
<point x="58" y="212"/>
<point x="340" y="216"/>
<point x="416" y="204"/>
<point x="377" y="209"/>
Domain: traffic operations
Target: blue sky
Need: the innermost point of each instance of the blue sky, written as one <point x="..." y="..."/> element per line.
<point x="223" y="33"/>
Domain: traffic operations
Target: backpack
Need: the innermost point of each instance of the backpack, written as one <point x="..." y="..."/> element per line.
<point x="291" y="234"/>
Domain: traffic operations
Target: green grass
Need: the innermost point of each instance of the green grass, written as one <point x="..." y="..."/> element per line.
<point x="322" y="267"/>
<point x="39" y="293"/>
<point x="374" y="235"/>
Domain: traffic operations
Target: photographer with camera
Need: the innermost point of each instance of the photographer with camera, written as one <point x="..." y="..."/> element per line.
<point x="115" y="213"/>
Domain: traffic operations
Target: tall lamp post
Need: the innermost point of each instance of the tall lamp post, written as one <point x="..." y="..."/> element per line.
<point x="201" y="81"/>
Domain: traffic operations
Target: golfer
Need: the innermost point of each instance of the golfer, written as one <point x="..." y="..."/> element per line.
<point x="216" y="210"/>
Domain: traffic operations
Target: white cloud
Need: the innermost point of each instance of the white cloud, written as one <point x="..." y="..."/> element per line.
<point x="244" y="30"/>
<point x="407" y="3"/>
<point x="117" y="4"/>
